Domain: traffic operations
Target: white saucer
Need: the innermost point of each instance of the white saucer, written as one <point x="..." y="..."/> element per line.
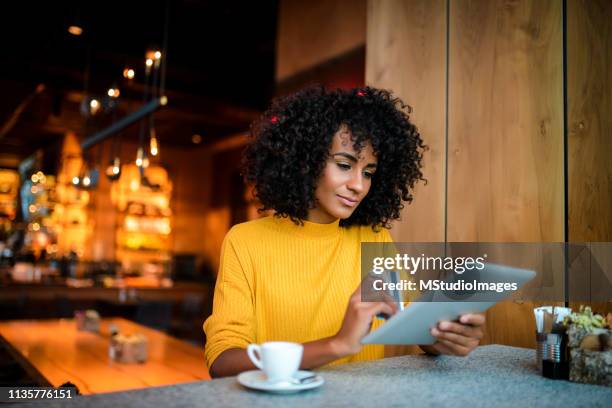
<point x="257" y="380"/>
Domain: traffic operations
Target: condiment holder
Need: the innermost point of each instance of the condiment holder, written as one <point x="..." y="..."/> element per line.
<point x="87" y="320"/>
<point x="128" y="349"/>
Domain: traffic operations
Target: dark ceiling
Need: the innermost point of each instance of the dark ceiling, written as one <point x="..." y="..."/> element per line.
<point x="220" y="66"/>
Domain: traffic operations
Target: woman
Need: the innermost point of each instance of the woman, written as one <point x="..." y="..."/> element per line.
<point x="335" y="167"/>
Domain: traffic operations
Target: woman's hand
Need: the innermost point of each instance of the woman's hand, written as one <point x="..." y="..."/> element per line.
<point x="358" y="321"/>
<point x="457" y="338"/>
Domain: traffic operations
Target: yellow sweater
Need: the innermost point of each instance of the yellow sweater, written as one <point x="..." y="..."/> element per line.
<point x="280" y="281"/>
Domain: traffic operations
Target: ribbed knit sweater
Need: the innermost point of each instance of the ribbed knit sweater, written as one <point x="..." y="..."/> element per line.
<point x="278" y="281"/>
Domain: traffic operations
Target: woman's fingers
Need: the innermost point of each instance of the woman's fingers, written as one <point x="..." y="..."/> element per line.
<point x="459" y="339"/>
<point x="473" y="319"/>
<point x="374" y="308"/>
<point x="462" y="329"/>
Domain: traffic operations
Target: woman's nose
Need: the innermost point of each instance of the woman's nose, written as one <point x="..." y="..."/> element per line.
<point x="356" y="183"/>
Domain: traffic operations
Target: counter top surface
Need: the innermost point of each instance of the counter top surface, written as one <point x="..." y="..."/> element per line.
<point x="491" y="376"/>
<point x="57" y="351"/>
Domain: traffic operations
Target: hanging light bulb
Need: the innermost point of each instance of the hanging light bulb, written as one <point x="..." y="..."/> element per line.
<point x="149" y="64"/>
<point x="75" y="30"/>
<point x="128" y="73"/>
<point x="139" y="157"/>
<point x="153" y="55"/>
<point x="113" y="92"/>
<point x="154" y="143"/>
<point x="113" y="171"/>
<point x="94" y="106"/>
<point x="87" y="179"/>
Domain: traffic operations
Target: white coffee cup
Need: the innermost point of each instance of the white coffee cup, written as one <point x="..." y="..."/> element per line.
<point x="278" y="359"/>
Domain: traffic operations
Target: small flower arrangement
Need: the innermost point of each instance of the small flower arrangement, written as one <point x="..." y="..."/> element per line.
<point x="590" y="342"/>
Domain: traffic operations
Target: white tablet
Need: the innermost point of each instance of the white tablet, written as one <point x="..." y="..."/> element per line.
<point x="412" y="325"/>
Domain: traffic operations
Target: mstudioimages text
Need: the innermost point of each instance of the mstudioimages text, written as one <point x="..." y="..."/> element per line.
<point x="440" y="285"/>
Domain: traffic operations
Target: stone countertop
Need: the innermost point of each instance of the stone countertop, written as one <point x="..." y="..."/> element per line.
<point x="498" y="376"/>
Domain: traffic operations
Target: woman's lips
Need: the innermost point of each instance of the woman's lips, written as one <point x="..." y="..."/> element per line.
<point x="347" y="201"/>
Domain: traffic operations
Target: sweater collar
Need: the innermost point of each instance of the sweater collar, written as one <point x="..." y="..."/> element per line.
<point x="310" y="229"/>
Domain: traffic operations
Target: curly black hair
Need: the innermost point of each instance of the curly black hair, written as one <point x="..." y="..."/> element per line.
<point x="290" y="143"/>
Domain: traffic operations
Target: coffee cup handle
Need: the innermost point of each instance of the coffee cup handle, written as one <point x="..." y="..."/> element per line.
<point x="251" y="349"/>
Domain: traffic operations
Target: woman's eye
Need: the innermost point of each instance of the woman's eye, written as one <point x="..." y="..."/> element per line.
<point x="344" y="166"/>
<point x="368" y="174"/>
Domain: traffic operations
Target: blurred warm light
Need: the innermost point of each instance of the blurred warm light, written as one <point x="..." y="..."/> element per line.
<point x="196" y="139"/>
<point x="32" y="208"/>
<point x="139" y="157"/>
<point x="34" y="178"/>
<point x="75" y="30"/>
<point x="128" y="73"/>
<point x="163" y="101"/>
<point x="158" y="225"/>
<point x="94" y="106"/>
<point x="131" y="224"/>
<point x="153" y="55"/>
<point x="41" y="239"/>
<point x="75" y="180"/>
<point x="35" y="226"/>
<point x="34" y="190"/>
<point x="113" y="92"/>
<point x="113" y="171"/>
<point x="149" y="62"/>
<point x="86" y="181"/>
<point x="154" y="144"/>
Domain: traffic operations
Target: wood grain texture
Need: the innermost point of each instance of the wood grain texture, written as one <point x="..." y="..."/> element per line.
<point x="406" y="53"/>
<point x="589" y="88"/>
<point x="505" y="142"/>
<point x="505" y="171"/>
<point x="311" y="32"/>
<point x="61" y="353"/>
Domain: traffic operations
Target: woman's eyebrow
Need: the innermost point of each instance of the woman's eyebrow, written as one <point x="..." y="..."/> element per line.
<point x="352" y="158"/>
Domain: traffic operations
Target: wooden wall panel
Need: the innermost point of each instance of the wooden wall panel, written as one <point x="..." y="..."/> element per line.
<point x="505" y="179"/>
<point x="314" y="31"/>
<point x="505" y="142"/>
<point x="589" y="87"/>
<point x="406" y="53"/>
